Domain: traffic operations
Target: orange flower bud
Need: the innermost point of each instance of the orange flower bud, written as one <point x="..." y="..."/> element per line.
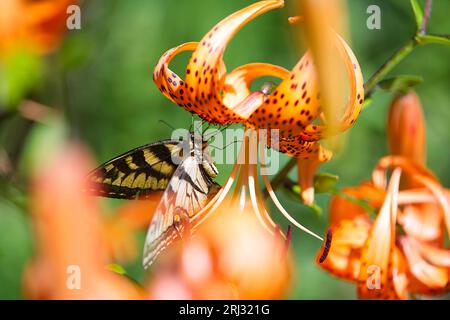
<point x="406" y="127"/>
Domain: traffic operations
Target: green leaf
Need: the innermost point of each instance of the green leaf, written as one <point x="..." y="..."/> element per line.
<point x="20" y="73"/>
<point x="400" y="83"/>
<point x="418" y="13"/>
<point x="292" y="190"/>
<point x="117" y="268"/>
<point x="15" y="248"/>
<point x="367" y="101"/>
<point x="296" y="189"/>
<point x="324" y="182"/>
<point x="316" y="209"/>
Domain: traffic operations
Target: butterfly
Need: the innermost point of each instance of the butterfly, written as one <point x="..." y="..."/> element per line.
<point x="183" y="169"/>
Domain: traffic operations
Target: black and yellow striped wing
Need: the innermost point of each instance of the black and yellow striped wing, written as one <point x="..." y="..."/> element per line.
<point x="138" y="172"/>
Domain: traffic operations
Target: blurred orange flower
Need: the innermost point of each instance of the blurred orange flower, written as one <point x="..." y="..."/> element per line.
<point x="402" y="251"/>
<point x="231" y="257"/>
<point x="34" y="25"/>
<point x="71" y="253"/>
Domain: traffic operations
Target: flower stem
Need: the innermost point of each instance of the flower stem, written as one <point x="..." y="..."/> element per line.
<point x="426" y="16"/>
<point x="386" y="67"/>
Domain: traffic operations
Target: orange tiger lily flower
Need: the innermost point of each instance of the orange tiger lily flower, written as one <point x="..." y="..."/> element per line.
<point x="414" y="260"/>
<point x="34" y="25"/>
<point x="368" y="251"/>
<point x="221" y="97"/>
<point x="426" y="276"/>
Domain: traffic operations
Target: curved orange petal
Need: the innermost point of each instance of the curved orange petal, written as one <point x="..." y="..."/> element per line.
<point x="409" y="166"/>
<point x="295" y="103"/>
<point x="342" y="209"/>
<point x="435" y="255"/>
<point x="440" y="194"/>
<point x="420" y="174"/>
<point x="400" y="279"/>
<point x="423" y="221"/>
<point x="237" y="82"/>
<point x="306" y="169"/>
<point x="350" y="225"/>
<point x="378" y="252"/>
<point x="429" y="278"/>
<point x="343" y="259"/>
<point x="355" y="99"/>
<point x="203" y="76"/>
<point x="168" y="82"/>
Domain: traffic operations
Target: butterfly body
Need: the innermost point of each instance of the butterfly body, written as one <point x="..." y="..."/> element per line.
<point x="184" y="170"/>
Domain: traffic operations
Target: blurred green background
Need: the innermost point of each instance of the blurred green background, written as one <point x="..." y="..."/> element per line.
<point x="101" y="80"/>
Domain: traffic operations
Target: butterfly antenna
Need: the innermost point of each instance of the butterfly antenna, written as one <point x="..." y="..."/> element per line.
<point x="217" y="148"/>
<point x="192" y="123"/>
<point x="167" y="124"/>
<point x="217" y="132"/>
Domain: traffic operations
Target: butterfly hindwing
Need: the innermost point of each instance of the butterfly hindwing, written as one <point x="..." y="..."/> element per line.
<point x="138" y="172"/>
<point x="187" y="193"/>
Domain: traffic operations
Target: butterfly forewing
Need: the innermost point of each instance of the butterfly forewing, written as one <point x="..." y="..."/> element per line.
<point x="188" y="191"/>
<point x="184" y="170"/>
<point x="138" y="172"/>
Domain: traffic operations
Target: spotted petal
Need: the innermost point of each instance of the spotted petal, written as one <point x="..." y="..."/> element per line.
<point x="205" y="71"/>
<point x="295" y="103"/>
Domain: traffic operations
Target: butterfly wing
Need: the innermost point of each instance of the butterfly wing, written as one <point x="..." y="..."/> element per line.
<point x="188" y="191"/>
<point x="138" y="172"/>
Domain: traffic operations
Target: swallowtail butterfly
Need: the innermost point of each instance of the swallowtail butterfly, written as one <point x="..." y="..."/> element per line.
<point x="183" y="169"/>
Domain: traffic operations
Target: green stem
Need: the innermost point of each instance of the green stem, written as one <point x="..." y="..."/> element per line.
<point x="399" y="55"/>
